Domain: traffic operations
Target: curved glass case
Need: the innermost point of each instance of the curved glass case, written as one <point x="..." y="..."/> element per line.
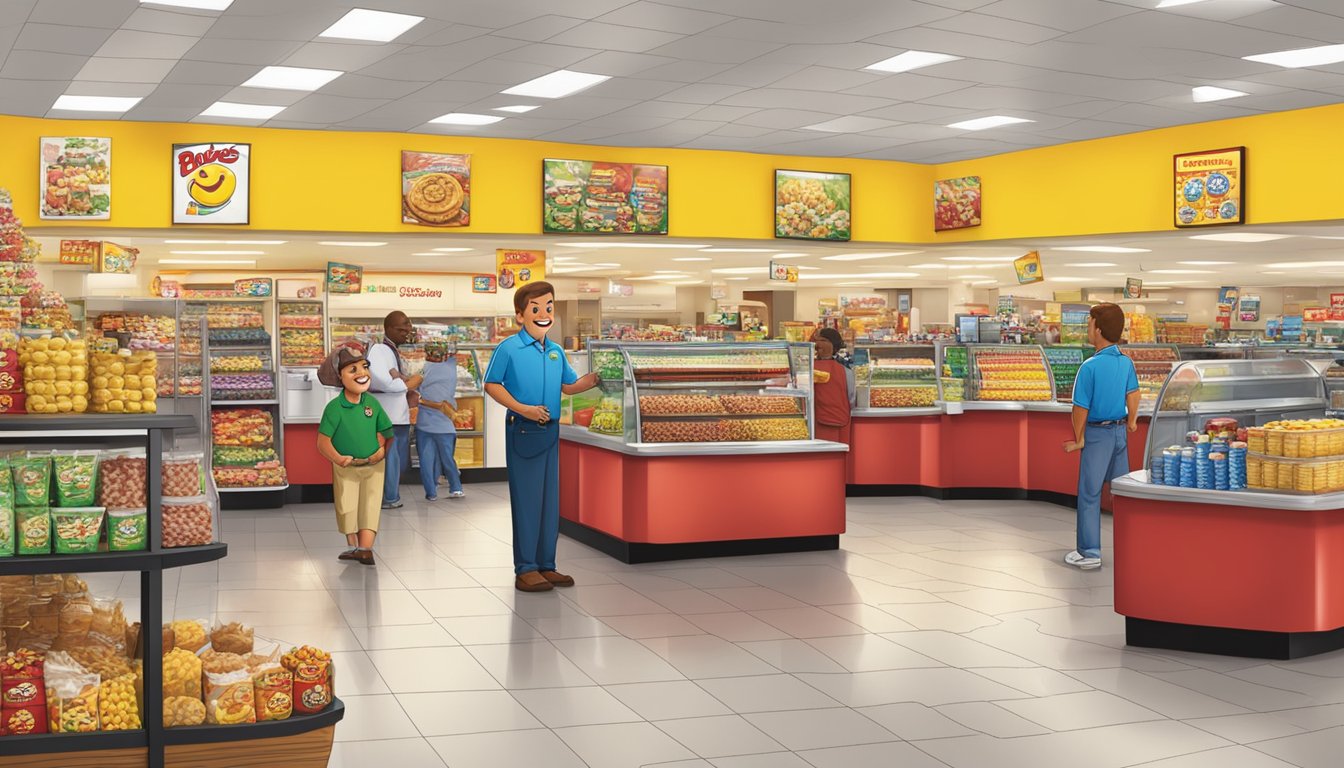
<point x="703" y="392"/>
<point x="895" y="376"/>
<point x="1153" y="363"/>
<point x="995" y="373"/>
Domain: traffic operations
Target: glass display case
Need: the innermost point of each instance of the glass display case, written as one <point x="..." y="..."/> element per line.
<point x="142" y="325"/>
<point x="1334" y="388"/>
<point x="702" y="392"/>
<point x="1153" y="363"/>
<point x="954" y="363"/>
<point x="302" y="329"/>
<point x="1200" y="394"/>
<point x="995" y="373"/>
<point x="1192" y="352"/>
<point x="896" y="376"/>
<point x="1064" y="364"/>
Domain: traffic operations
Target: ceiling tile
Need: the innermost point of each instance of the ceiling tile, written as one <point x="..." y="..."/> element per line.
<point x="594" y="34"/>
<point x="189" y="97"/>
<point x="667" y="18"/>
<point x="955" y="43"/>
<point x="662" y="109"/>
<point x="444" y="34"/>
<point x="918" y="113"/>
<point x="994" y="98"/>
<point x="1299" y="22"/>
<point x="541" y="28"/>
<point x="274" y="21"/>
<point x="149" y="19"/>
<point x="981" y="71"/>
<point x="130" y="44"/>
<point x="742" y="131"/>
<point x="142" y="113"/>
<point x="1093" y="86"/>
<point x="1277" y="102"/>
<point x="622" y="63"/>
<point x="126" y="70"/>
<point x="258" y="53"/>
<point x="108" y="14"/>
<point x="1082" y="130"/>
<point x="909" y="87"/>
<point x="755" y="74"/>
<point x="1178" y="32"/>
<point x="418" y="63"/>
<point x="686" y="71"/>
<point x="398" y="116"/>
<point x="705" y="93"/>
<point x="505" y="74"/>
<point x="340" y="56"/>
<point x="268" y="96"/>
<point x="586" y="107"/>
<point x="835" y="103"/>
<point x="632" y="88"/>
<point x="783" y="118"/>
<point x="37" y="65"/>
<point x="60" y="38"/>
<point x="1070" y="16"/>
<point x="30" y="97"/>
<point x="584" y="132"/>
<point x="996" y="28"/>
<point x="670" y="135"/>
<point x="361" y="87"/>
<point x="844" y="144"/>
<point x="914" y="132"/>
<point x="456" y="91"/>
<point x="1085" y="109"/>
<point x="324" y="109"/>
<point x="90" y="88"/>
<point x="850" y="124"/>
<point x="191" y="72"/>
<point x="552" y="56"/>
<point x="825" y="79"/>
<point x="722" y="113"/>
<point x="704" y="47"/>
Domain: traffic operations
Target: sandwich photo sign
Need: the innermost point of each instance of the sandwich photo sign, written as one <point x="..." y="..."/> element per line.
<point x="211" y="183"/>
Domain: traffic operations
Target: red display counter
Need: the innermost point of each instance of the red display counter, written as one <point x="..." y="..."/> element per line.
<point x="648" y="502"/>
<point x="1236" y="573"/>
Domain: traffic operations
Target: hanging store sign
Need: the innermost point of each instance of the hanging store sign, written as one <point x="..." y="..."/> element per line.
<point x="76" y="178"/>
<point x="1028" y="269"/>
<point x="781" y="272"/>
<point x="483" y="284"/>
<point x="1210" y="187"/>
<point x="1133" y="288"/>
<point x="211" y="183"/>
<point x="518" y="268"/>
<point x="344" y="278"/>
<point x="1250" y="309"/>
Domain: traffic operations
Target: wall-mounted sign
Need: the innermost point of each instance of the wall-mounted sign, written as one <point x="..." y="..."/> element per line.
<point x="604" y="198"/>
<point x="344" y="278"/>
<point x="590" y="286"/>
<point x="435" y="189"/>
<point x="76" y="178"/>
<point x="718" y="291"/>
<point x="483" y="284"/>
<point x="518" y="268"/>
<point x="862" y="303"/>
<point x="254" y="286"/>
<point x="1210" y="187"/>
<point x="211" y="183"/>
<point x="1315" y="314"/>
<point x="1028" y="269"/>
<point x="956" y="203"/>
<point x="620" y="289"/>
<point x="812" y="206"/>
<point x="80" y="252"/>
<point x="782" y="272"/>
<point x="1250" y="309"/>
<point x="1133" y="288"/>
<point x="117" y="259"/>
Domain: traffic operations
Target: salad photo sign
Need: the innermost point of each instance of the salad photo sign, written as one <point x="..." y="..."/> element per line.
<point x="603" y="198"/>
<point x="1210" y="187"/>
<point x="812" y="206"/>
<point x="76" y="178"/>
<point x="956" y="203"/>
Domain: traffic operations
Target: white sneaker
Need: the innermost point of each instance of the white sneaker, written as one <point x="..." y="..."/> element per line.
<point x="1077" y="560"/>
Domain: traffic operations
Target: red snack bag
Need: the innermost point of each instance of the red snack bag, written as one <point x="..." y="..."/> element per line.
<point x="312" y="687"/>
<point x="21" y="721"/>
<point x="21" y="683"/>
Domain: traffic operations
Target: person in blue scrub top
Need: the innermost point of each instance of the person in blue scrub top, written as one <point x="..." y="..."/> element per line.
<point x="1105" y="410"/>
<point x="527" y="374"/>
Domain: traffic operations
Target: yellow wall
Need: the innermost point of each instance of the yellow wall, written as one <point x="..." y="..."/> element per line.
<point x="327" y="181"/>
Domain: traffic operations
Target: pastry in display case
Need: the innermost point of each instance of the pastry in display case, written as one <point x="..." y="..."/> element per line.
<point x="896" y="376"/>
<point x="1009" y="374"/>
<point x="302" y="344"/>
<point x="701" y="392"/>
<point x="1334" y="388"/>
<point x="1153" y="363"/>
<point x="1064" y="364"/>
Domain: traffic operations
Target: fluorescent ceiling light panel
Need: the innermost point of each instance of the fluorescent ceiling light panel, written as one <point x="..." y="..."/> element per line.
<point x="225" y="242"/>
<point x="218" y="253"/>
<point x="983" y="123"/>
<point x="849" y="124"/>
<point x="737" y="278"/>
<point x="572" y="269"/>
<point x="977" y="266"/>
<point x="95" y="103"/>
<point x="1174" y="3"/>
<point x="790" y="256"/>
<point x="517" y="109"/>
<point x="557" y="85"/>
<point x="1181" y="271"/>
<point x="465" y="118"/>
<point x="682" y="246"/>
<point x="376" y="26"/>
<point x="742" y="271"/>
<point x="242" y="111"/>
<point x="738" y="250"/>
<point x="1241" y="237"/>
<point x="684" y="282"/>
<point x="904" y="62"/>
<point x="1304" y="264"/>
<point x="930" y="266"/>
<point x="1271" y="273"/>
<point x="984" y="282"/>
<point x="606" y="264"/>
<point x="235" y="262"/>
<point x="450" y="250"/>
<point x="351" y="243"/>
<point x="204" y="5"/>
<point x="1301" y="57"/>
<point x="292" y="78"/>
<point x="866" y="256"/>
<point x="984" y="259"/>
<point x="1102" y="249"/>
<point x="1202" y="93"/>
<point x="693" y="258"/>
<point x="1090" y="264"/>
<point x="1206" y="263"/>
<point x="669" y="272"/>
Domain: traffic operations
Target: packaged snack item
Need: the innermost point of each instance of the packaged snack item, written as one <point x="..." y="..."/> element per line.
<point x="76" y="619"/>
<point x="7" y="521"/>
<point x="312" y="678"/>
<point x="181" y="676"/>
<point x="109" y="618"/>
<point x="127" y="530"/>
<point x="182" y="710"/>
<point x="273" y="687"/>
<point x="182" y="474"/>
<point x="78" y="529"/>
<point x="22" y="684"/>
<point x="229" y="698"/>
<point x="75" y="474"/>
<point x="189" y="635"/>
<point x="118" y="709"/>
<point x="104" y="660"/>
<point x="72" y="695"/>
<point x="187" y="522"/>
<point x="32" y="480"/>
<point x="122" y="481"/>
<point x="232" y="638"/>
<point x="32" y="530"/>
<point x="214" y="662"/>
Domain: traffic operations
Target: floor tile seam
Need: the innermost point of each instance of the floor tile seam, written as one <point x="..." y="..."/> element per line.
<point x="1157" y="676"/>
<point x="934" y="663"/>
<point x="1246" y="711"/>
<point x="966" y="635"/>
<point x="929" y="754"/>
<point x="1157" y="716"/>
<point x="1278" y="664"/>
<point x="1236" y="674"/>
<point x="688" y="748"/>
<point x="1193" y="723"/>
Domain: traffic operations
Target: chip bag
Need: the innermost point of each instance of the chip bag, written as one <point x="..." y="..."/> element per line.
<point x="181" y="676"/>
<point x="77" y="529"/>
<point x="273" y="687"/>
<point x="229" y="698"/>
<point x="127" y="530"/>
<point x="32" y="480"/>
<point x="72" y="695"/>
<point x="7" y="521"/>
<point x="32" y="530"/>
<point x="75" y="475"/>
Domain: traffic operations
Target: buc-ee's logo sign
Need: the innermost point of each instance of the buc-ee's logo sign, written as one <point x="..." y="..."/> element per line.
<point x="208" y="179"/>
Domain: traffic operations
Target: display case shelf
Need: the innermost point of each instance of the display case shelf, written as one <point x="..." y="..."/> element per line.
<point x="103" y="562"/>
<point x="52" y="743"/>
<point x="895" y="379"/>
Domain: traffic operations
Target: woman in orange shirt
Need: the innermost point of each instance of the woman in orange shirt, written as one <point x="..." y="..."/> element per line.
<point x="831" y="393"/>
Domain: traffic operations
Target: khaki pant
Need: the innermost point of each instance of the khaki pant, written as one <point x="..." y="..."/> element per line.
<point x="359" y="497"/>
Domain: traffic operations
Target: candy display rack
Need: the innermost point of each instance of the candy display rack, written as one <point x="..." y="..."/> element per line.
<point x="895" y="377"/>
<point x="1002" y="373"/>
<point x="1064" y="364"/>
<point x="263" y="476"/>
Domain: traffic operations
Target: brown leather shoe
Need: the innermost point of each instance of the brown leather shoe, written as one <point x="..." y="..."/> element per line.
<point x="364" y="556"/>
<point x="558" y="579"/>
<point x="531" y="582"/>
<point x="349" y="554"/>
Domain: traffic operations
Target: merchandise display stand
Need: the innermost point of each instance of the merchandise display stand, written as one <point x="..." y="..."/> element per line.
<point x="299" y="742"/>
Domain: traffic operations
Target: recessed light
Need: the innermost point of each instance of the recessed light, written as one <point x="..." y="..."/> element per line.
<point x="982" y="259"/>
<point x="1271" y="273"/>
<point x="741" y="271"/>
<point x="1202" y="93"/>
<point x="1102" y="249"/>
<point x="790" y="256"/>
<point x="866" y="256"/>
<point x="737" y="278"/>
<point x="225" y="242"/>
<point x="693" y="258"/>
<point x="218" y="253"/>
<point x="451" y="250"/>
<point x="1301" y="57"/>
<point x="235" y="262"/>
<point x="376" y="26"/>
<point x="242" y="111"/>
<point x="564" y="258"/>
<point x="351" y="243"/>
<point x="292" y="78"/>
<point x="1304" y="264"/>
<point x="985" y="282"/>
<point x="932" y="266"/>
<point x="558" y="84"/>
<point x="1071" y="279"/>
<point x="606" y="264"/>
<point x="517" y="109"/>
<point x="848" y="124"/>
<point x="95" y="103"/>
<point x="203" y="5"/>
<point x="683" y="282"/>
<point x="1090" y="264"/>
<point x="1206" y="263"/>
<point x="681" y="246"/>
<point x="669" y="271"/>
<point x="904" y="62"/>
<point x="1241" y="237"/>
<point x="738" y="250"/>
<point x="854" y="277"/>
<point x="465" y="118"/>
<point x="993" y="121"/>
<point x="1181" y="271"/>
<point x="1174" y="3"/>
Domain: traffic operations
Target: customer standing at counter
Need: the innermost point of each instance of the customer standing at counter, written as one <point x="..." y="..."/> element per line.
<point x="526" y="375"/>
<point x="1105" y="405"/>
<point x="833" y="390"/>
<point x="396" y="392"/>
<point x="435" y="432"/>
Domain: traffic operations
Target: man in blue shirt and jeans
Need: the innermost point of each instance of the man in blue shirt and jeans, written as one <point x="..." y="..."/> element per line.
<point x="1105" y="407"/>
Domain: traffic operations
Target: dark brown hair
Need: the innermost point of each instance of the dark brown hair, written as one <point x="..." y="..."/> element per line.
<point x="1110" y="321"/>
<point x="529" y="292"/>
<point x="833" y="336"/>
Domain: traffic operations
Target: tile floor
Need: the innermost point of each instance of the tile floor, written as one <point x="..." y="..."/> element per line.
<point x="940" y="634"/>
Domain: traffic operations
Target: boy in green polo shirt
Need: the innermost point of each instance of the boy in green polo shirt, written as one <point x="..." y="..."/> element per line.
<point x="353" y="436"/>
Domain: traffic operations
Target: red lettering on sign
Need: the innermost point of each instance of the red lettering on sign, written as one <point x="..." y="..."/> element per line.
<point x="187" y="162"/>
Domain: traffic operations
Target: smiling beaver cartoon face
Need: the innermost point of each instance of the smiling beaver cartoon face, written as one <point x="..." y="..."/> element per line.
<point x="212" y="185"/>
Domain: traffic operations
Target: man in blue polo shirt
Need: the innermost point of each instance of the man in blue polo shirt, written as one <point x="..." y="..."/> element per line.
<point x="1105" y="405"/>
<point x="527" y="375"/>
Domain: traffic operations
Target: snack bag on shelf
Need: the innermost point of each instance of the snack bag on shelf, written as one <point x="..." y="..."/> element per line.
<point x="32" y="479"/>
<point x="127" y="530"/>
<point x="273" y="688"/>
<point x="182" y="474"/>
<point x="7" y="521"/>
<point x="122" y="480"/>
<point x="187" y="522"/>
<point x="118" y="707"/>
<point x="183" y="711"/>
<point x="77" y="530"/>
<point x="33" y="530"/>
<point x="76" y="620"/>
<point x="313" y="678"/>
<point x="232" y="638"/>
<point x="181" y="676"/>
<point x="229" y="698"/>
<point x="72" y="695"/>
<point x="55" y="369"/>
<point x="188" y="635"/>
<point x="23" y="695"/>
<point x="125" y="382"/>
<point x="75" y="473"/>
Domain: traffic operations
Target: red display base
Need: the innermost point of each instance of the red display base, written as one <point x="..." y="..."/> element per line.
<point x="303" y="464"/>
<point x="678" y="500"/>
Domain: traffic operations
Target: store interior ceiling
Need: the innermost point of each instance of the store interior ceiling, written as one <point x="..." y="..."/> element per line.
<point x="776" y="76"/>
<point x="1280" y="255"/>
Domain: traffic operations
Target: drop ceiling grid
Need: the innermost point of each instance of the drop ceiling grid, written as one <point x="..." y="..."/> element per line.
<point x="748" y="75"/>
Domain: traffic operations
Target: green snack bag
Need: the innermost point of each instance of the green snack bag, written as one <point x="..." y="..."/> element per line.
<point x="6" y="521"/>
<point x="32" y="480"/>
<point x="33" y="530"/>
<point x="75" y="475"/>
<point x="77" y="529"/>
<point x="127" y="530"/>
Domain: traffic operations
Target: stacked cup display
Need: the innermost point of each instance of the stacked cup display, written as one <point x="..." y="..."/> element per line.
<point x="1171" y="466"/>
<point x="1203" y="466"/>
<point x="1156" y="469"/>
<point x="1220" y="471"/>
<point x="1187" y="468"/>
<point x="1236" y="467"/>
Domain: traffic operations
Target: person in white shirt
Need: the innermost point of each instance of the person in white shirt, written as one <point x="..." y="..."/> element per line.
<point x="396" y="392"/>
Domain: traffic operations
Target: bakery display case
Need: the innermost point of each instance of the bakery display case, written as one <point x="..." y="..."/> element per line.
<point x="302" y="332"/>
<point x="895" y="376"/>
<point x="1064" y="364"/>
<point x="1334" y="388"/>
<point x="995" y="373"/>
<point x="1200" y="352"/>
<point x="703" y="393"/>
<point x="1153" y="363"/>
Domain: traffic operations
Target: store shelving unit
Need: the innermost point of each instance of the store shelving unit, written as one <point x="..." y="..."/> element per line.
<point x="895" y="377"/>
<point x="1064" y="364"/>
<point x="152" y="746"/>
<point x="268" y="495"/>
<point x="152" y="325"/>
<point x="1153" y="363"/>
<point x="996" y="375"/>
